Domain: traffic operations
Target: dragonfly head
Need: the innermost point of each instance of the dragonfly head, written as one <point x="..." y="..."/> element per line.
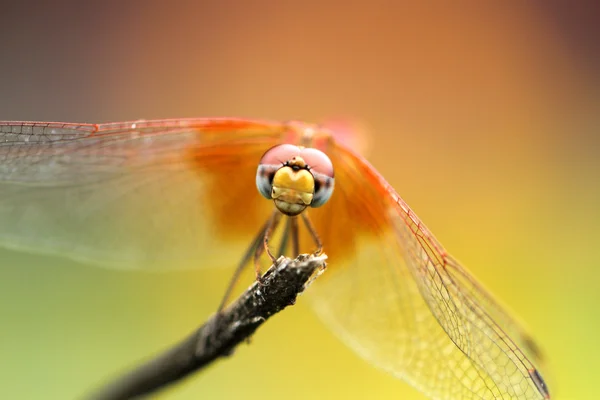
<point x="295" y="178"/>
<point x="293" y="187"/>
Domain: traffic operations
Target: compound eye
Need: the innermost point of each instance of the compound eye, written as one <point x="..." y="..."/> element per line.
<point x="323" y="191"/>
<point x="271" y="161"/>
<point x="322" y="170"/>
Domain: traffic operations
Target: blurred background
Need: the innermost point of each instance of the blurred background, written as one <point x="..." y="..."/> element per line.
<point x="484" y="116"/>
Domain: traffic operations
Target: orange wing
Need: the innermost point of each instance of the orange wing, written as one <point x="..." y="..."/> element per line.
<point x="396" y="297"/>
<point x="144" y="194"/>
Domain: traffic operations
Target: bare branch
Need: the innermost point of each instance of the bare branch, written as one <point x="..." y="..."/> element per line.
<point x="219" y="336"/>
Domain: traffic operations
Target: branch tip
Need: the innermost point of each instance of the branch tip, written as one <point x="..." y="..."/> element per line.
<point x="220" y="335"/>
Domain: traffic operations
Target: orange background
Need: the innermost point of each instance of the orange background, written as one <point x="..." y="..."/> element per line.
<point x="483" y="116"/>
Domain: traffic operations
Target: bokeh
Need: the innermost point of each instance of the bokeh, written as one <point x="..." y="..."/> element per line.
<point x="484" y="116"/>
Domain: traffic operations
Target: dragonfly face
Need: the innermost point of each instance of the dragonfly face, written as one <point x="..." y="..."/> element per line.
<point x="142" y="195"/>
<point x="295" y="178"/>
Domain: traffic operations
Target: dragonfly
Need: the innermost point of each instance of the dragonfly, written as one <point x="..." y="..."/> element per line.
<point x="163" y="194"/>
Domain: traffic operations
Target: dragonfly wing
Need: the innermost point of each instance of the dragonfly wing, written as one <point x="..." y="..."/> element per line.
<point x="394" y="295"/>
<point x="496" y="311"/>
<point x="146" y="194"/>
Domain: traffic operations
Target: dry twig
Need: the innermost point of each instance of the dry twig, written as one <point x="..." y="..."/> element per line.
<point x="218" y="337"/>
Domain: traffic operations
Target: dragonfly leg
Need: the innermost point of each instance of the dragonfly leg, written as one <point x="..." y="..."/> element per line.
<point x="295" y="237"/>
<point x="314" y="234"/>
<point x="256" y="243"/>
<point x="271" y="225"/>
<point x="285" y="238"/>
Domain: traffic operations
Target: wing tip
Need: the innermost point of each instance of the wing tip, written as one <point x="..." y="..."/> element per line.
<point x="539" y="383"/>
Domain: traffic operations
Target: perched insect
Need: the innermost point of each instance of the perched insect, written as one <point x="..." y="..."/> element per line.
<point x="159" y="194"/>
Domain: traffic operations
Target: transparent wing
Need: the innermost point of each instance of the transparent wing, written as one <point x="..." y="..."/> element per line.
<point x="393" y="294"/>
<point x="145" y="194"/>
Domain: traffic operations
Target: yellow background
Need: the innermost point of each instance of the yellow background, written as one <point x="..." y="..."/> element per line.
<point x="483" y="116"/>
